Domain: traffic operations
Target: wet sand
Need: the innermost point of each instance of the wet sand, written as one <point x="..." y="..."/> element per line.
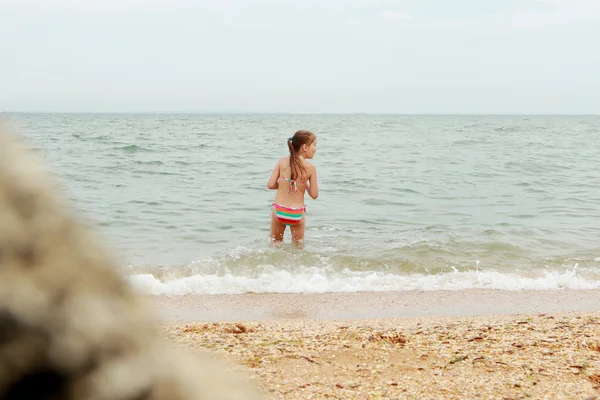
<point x="409" y="345"/>
<point x="275" y="306"/>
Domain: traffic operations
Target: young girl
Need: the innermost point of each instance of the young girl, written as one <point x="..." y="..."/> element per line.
<point x="291" y="177"/>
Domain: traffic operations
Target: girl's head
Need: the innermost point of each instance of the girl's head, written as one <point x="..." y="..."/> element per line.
<point x="302" y="144"/>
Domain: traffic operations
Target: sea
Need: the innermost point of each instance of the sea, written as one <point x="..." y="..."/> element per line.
<point x="406" y="202"/>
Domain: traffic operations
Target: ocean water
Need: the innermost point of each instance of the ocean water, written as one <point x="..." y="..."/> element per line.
<point x="406" y="202"/>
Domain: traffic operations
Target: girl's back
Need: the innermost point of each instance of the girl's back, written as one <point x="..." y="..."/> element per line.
<point x="291" y="191"/>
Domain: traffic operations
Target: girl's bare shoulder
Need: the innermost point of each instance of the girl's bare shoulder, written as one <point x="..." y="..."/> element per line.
<point x="310" y="165"/>
<point x="284" y="163"/>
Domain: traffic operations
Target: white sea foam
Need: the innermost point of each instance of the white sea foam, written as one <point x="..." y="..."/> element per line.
<point x="318" y="280"/>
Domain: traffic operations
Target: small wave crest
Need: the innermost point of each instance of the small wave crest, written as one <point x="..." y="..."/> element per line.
<point x="243" y="270"/>
<point x="313" y="280"/>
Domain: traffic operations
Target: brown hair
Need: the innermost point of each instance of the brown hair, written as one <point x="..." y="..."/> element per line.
<point x="302" y="137"/>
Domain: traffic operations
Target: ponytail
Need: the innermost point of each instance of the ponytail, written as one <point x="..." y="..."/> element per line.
<point x="297" y="168"/>
<point x="294" y="161"/>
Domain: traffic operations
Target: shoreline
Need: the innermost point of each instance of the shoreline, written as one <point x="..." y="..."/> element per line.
<point x="369" y="305"/>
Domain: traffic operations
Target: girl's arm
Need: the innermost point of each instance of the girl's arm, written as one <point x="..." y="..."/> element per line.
<point x="312" y="186"/>
<point x="272" y="183"/>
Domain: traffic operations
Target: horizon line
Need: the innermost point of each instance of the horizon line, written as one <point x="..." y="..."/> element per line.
<point x="297" y="113"/>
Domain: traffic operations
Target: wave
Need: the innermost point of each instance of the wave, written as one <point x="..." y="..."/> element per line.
<point x="288" y="270"/>
<point x="315" y="280"/>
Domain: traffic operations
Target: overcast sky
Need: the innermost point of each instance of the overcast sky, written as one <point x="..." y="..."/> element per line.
<point x="386" y="56"/>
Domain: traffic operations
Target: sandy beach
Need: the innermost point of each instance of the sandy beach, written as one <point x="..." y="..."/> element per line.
<point x="406" y="345"/>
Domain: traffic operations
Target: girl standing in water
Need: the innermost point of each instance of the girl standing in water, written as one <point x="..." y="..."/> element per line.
<point x="291" y="177"/>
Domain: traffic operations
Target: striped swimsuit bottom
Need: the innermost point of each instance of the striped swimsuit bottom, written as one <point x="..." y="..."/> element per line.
<point x="288" y="215"/>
